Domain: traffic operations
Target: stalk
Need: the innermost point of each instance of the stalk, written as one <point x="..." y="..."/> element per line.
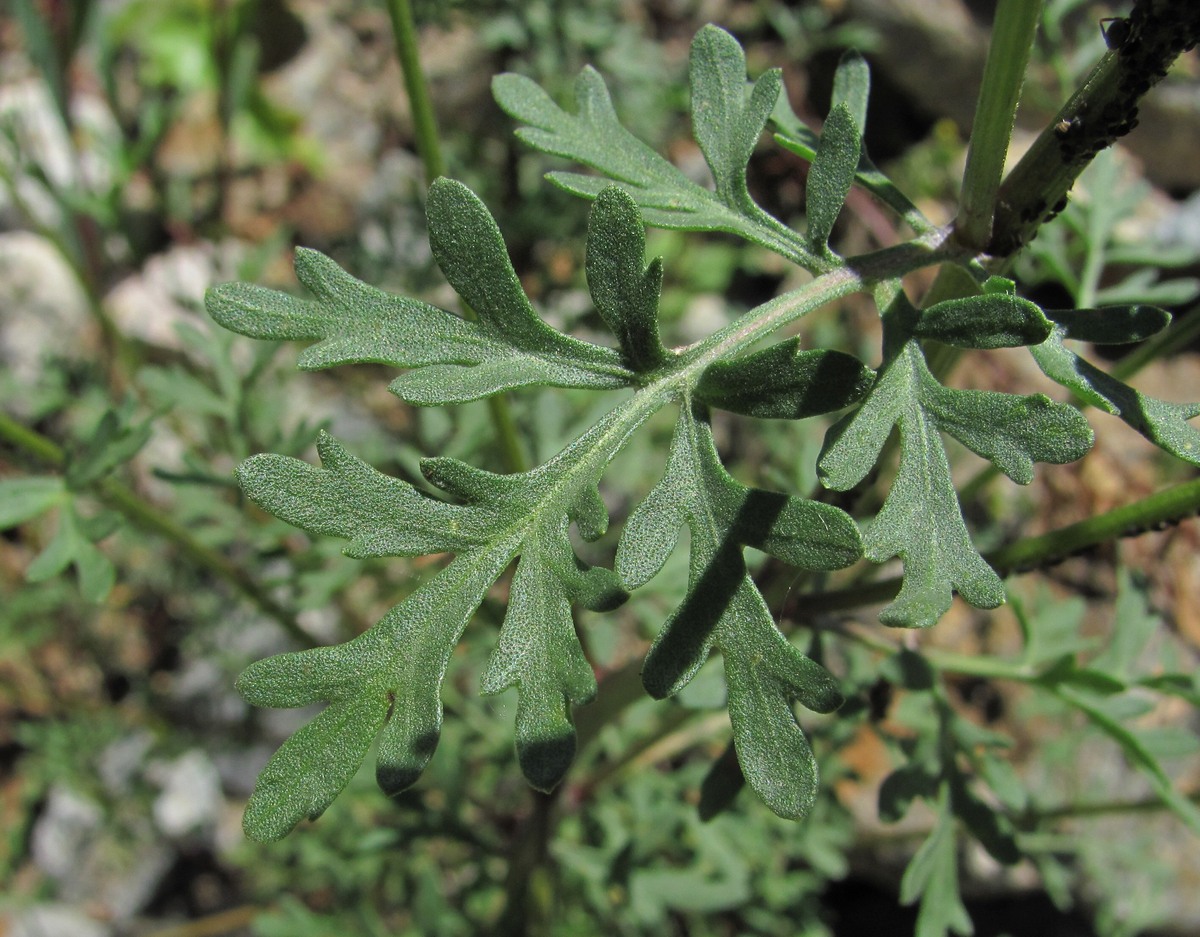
<point x="1008" y="56"/>
<point x="429" y="147"/>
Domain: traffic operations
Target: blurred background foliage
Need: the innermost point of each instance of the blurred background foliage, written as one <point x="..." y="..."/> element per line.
<point x="149" y="148"/>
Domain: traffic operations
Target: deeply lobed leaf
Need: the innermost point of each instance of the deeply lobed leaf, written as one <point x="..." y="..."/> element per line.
<point x="452" y="360"/>
<point x="724" y="609"/>
<point x="387" y="681"/>
<point x="921" y="521"/>
<point x="727" y="125"/>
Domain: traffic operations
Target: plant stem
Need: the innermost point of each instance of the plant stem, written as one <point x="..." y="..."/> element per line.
<point x="424" y="122"/>
<point x="1103" y="108"/>
<point x="149" y="518"/>
<point x="528" y="856"/>
<point x="1012" y="40"/>
<point x="429" y="147"/>
<point x="1159" y="510"/>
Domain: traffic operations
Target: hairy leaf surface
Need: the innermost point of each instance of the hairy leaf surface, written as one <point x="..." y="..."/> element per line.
<point x="724" y="609"/>
<point x="1164" y="424"/>
<point x="726" y="124"/>
<point x="388" y="680"/>
<point x="921" y="521"/>
<point x="451" y="359"/>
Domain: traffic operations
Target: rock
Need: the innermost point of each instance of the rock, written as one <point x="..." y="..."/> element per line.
<point x="44" y="920"/>
<point x="191" y="794"/>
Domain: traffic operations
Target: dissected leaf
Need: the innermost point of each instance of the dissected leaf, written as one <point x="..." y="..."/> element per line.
<point x="1164" y="424"/>
<point x="785" y="382"/>
<point x="723" y="608"/>
<point x="399" y="664"/>
<point x="452" y="360"/>
<point x="932" y="879"/>
<point x="921" y="521"/>
<point x="851" y="87"/>
<point x="727" y="126"/>
<point x="72" y="546"/>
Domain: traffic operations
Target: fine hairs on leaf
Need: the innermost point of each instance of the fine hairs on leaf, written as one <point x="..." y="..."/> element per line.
<point x="383" y="687"/>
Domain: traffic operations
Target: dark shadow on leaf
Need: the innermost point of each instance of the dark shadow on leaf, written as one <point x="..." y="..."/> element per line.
<point x="544" y="762"/>
<point x="396" y="776"/>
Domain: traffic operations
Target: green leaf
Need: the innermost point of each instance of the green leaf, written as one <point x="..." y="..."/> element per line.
<point x="595" y="137"/>
<point x="1134" y="624"/>
<point x="664" y="195"/>
<point x="389" y="678"/>
<point x="380" y="515"/>
<point x="932" y="878"/>
<point x="625" y="294"/>
<point x="785" y="382"/>
<point x="1164" y="424"/>
<point x="70" y="546"/>
<point x="723" y="608"/>
<point x="59" y="553"/>
<point x="831" y="175"/>
<point x="24" y="498"/>
<point x="1112" y="325"/>
<point x="990" y="320"/>
<point x="851" y="87"/>
<point x="113" y="443"/>
<point x="469" y="248"/>
<point x="1137" y="753"/>
<point x="921" y="521"/>
<point x="453" y="360"/>
<point x="727" y="125"/>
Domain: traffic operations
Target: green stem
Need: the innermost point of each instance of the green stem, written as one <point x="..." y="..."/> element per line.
<point x="148" y="518"/>
<point x="430" y="149"/>
<point x="1103" y="108"/>
<point x="1008" y="56"/>
<point x="1103" y="808"/>
<point x="1152" y="513"/>
<point x="424" y="122"/>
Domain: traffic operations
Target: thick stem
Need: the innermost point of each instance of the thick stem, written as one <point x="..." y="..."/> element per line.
<point x="1012" y="39"/>
<point x="1103" y="109"/>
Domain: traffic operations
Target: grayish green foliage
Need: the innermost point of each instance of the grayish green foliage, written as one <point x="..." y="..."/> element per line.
<point x="723" y="608"/>
<point x="920" y="520"/>
<point x="726" y="126"/>
<point x="451" y="359"/>
<point x="785" y="382"/>
<point x="851" y="88"/>
<point x="831" y="175"/>
<point x="385" y="684"/>
<point x="1164" y="424"/>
